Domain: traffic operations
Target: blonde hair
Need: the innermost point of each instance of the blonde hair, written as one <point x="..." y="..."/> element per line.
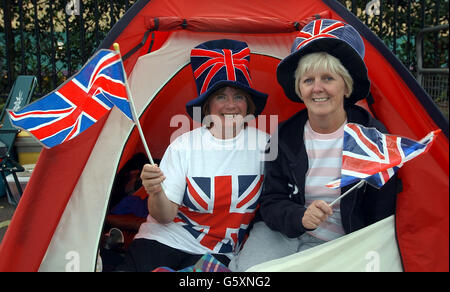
<point x="322" y="61"/>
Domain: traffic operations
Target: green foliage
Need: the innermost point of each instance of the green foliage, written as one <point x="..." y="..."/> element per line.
<point x="401" y="21"/>
<point x="52" y="45"/>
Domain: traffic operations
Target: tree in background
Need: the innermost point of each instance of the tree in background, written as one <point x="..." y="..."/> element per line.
<point x="41" y="38"/>
<point x="398" y="22"/>
<point x="52" y="39"/>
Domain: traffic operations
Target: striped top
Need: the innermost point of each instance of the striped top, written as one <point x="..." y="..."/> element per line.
<point x="325" y="161"/>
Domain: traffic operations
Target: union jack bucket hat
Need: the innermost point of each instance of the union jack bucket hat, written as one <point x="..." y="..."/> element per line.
<point x="336" y="38"/>
<point x="220" y="63"/>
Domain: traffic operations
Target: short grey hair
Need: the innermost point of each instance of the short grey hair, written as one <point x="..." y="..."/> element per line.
<point x="322" y="61"/>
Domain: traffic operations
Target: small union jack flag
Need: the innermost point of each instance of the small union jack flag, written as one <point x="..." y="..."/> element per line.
<point x="375" y="157"/>
<point x="322" y="28"/>
<point x="218" y="210"/>
<point x="217" y="64"/>
<point x="78" y="103"/>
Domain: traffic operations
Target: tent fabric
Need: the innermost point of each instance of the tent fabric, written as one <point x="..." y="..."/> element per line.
<point x="43" y="202"/>
<point x="240" y="24"/>
<point x="373" y="249"/>
<point x="106" y="153"/>
<point x="82" y="220"/>
<point x="58" y="221"/>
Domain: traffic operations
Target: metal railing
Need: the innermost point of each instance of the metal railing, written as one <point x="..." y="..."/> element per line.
<point x="433" y="80"/>
<point x="53" y="39"/>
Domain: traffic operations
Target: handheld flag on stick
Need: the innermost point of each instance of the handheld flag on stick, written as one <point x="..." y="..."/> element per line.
<point x="134" y="114"/>
<point x="78" y="103"/>
<point x="374" y="157"/>
<point x="135" y="118"/>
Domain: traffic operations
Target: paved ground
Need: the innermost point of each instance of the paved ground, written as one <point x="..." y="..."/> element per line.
<point x="6" y="212"/>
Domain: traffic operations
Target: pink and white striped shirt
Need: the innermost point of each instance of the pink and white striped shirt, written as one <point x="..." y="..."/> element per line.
<point x="325" y="161"/>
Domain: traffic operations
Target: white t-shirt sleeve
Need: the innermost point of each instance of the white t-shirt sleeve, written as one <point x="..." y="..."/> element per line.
<point x="173" y="165"/>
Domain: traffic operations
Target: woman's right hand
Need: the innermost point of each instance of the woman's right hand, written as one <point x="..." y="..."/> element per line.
<point x="152" y="177"/>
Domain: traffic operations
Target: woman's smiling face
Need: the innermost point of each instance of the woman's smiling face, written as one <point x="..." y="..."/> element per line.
<point x="228" y="108"/>
<point x="322" y="92"/>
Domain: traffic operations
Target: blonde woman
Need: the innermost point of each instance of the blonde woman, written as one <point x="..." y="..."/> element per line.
<point x="327" y="73"/>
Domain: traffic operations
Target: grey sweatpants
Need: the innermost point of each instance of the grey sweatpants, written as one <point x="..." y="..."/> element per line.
<point x="264" y="244"/>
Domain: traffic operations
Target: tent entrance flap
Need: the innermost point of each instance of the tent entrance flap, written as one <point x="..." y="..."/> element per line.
<point x="246" y="25"/>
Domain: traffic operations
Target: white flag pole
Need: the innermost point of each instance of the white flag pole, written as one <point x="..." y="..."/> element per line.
<point x="358" y="185"/>
<point x="133" y="109"/>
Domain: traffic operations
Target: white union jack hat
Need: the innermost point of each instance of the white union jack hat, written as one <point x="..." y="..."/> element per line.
<point x="336" y="38"/>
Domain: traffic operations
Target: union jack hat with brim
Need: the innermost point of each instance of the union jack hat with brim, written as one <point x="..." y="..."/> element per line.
<point x="220" y="63"/>
<point x="336" y="38"/>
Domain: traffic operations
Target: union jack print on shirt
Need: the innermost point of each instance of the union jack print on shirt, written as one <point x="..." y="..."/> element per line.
<point x="78" y="103"/>
<point x="375" y="157"/>
<point x="217" y="63"/>
<point x="217" y="211"/>
<point x="318" y="29"/>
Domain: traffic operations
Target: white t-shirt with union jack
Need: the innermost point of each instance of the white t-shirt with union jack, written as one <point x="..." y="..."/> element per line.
<point x="217" y="184"/>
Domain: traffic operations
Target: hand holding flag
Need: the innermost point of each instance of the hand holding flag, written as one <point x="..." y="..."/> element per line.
<point x="373" y="157"/>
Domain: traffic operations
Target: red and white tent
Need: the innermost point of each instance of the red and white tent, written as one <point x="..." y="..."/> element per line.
<point x="58" y="223"/>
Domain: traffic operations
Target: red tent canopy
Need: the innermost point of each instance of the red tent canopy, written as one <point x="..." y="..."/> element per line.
<point x="398" y="101"/>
